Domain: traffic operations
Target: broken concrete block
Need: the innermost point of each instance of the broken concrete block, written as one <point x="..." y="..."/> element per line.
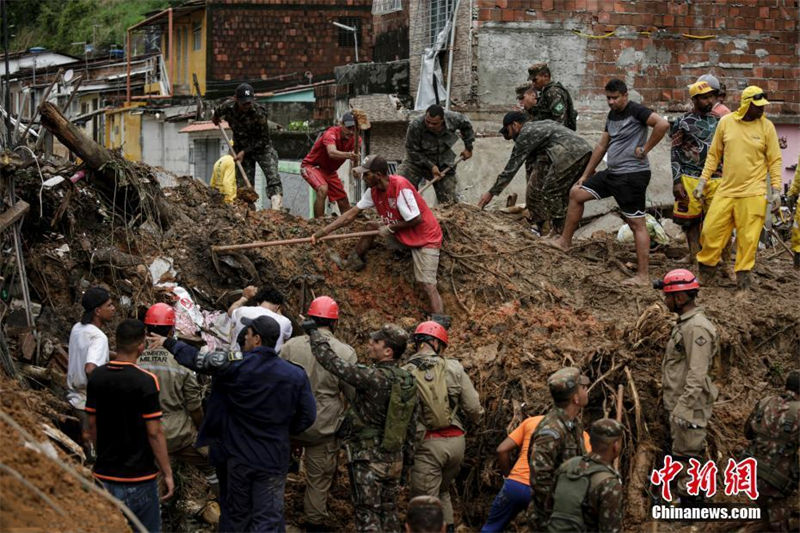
<point x="672" y="229"/>
<point x="608" y="223"/>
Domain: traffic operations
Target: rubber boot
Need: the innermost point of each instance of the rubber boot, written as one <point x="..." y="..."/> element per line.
<point x="277" y="201"/>
<point x="743" y="281"/>
<point x="707" y="273"/>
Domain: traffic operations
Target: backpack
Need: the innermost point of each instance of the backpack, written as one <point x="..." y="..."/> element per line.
<point x="572" y="485"/>
<point x="430" y="376"/>
<point x="402" y="401"/>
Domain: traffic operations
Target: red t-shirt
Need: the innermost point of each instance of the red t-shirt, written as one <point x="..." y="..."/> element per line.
<point x="318" y="156"/>
<point x="401" y="202"/>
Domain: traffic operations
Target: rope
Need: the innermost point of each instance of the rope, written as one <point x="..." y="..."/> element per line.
<point x="611" y="34"/>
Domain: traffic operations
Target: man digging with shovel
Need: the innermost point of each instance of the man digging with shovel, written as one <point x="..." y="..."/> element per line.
<point x="407" y="223"/>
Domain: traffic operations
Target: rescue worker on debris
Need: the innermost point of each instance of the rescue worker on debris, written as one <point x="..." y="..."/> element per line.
<point x="180" y="396"/>
<point x="515" y="496"/>
<point x="627" y="176"/>
<point x="429" y="155"/>
<point x="445" y="395"/>
<point x="424" y="515"/>
<point x="380" y="424"/>
<point x="691" y="137"/>
<point x="794" y="198"/>
<point x="250" y="124"/>
<point x="318" y="168"/>
<point x="320" y="440"/>
<point x="588" y="490"/>
<point x="718" y="109"/>
<point x="535" y="167"/>
<point x="555" y="102"/>
<point x="566" y="154"/>
<point x="688" y="372"/>
<point x="223" y="177"/>
<point x="748" y="143"/>
<point x="257" y="400"/>
<point x="408" y="223"/>
<point x="557" y="438"/>
<point x="773" y="429"/>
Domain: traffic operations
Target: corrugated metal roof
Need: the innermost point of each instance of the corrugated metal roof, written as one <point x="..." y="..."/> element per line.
<point x="202" y="126"/>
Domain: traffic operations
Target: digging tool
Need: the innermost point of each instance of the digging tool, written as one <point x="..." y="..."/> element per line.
<point x="247" y="193"/>
<point x="264" y="244"/>
<point x="445" y="170"/>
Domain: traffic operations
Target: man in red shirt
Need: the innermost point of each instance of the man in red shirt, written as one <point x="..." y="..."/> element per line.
<point x="319" y="167"/>
<point x="408" y="222"/>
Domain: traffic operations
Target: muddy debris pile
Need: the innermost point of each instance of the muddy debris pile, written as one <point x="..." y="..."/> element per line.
<point x="520" y="311"/>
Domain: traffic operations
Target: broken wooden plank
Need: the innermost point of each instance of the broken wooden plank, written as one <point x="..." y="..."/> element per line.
<point x="13" y="214"/>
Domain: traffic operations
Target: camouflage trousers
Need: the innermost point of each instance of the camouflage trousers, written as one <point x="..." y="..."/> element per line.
<point x="268" y="161"/>
<point x="375" y="493"/>
<point x="547" y="194"/>
<point x="776" y="508"/>
<point x="445" y="188"/>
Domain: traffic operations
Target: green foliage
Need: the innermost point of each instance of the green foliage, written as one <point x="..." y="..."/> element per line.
<point x="56" y="24"/>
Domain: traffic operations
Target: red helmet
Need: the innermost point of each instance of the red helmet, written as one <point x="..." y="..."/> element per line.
<point x="434" y="329"/>
<point x="324" y="307"/>
<point x="680" y="280"/>
<point x="160" y="314"/>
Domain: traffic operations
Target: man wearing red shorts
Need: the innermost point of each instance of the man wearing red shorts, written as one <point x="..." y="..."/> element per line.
<point x="320" y="165"/>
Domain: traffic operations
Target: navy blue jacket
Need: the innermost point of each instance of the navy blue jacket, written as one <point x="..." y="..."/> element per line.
<point x="255" y="404"/>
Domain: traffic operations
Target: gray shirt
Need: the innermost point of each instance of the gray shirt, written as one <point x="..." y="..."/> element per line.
<point x="627" y="129"/>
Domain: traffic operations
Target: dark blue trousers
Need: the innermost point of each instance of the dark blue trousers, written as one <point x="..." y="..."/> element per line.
<point x="254" y="499"/>
<point x="512" y="498"/>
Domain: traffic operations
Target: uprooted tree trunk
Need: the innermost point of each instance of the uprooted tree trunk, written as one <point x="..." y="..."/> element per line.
<point x="117" y="179"/>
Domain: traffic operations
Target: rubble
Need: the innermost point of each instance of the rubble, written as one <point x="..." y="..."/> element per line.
<point x="520" y="311"/>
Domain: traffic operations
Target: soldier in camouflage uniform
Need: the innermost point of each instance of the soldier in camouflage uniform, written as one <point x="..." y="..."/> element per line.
<point x="429" y="142"/>
<point x="555" y="103"/>
<point x="567" y="155"/>
<point x="558" y="437"/>
<point x="588" y="491"/>
<point x="773" y="429"/>
<point x="376" y="465"/>
<point x="688" y="372"/>
<point x="249" y="122"/>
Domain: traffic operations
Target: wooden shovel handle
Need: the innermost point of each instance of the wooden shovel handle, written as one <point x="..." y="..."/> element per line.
<point x="264" y="244"/>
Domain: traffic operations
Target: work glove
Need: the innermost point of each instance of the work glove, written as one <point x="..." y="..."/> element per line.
<point x="309" y="325"/>
<point x="385" y="231"/>
<point x="699" y="191"/>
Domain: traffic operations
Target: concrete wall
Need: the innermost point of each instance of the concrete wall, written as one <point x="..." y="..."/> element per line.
<point x="163" y="146"/>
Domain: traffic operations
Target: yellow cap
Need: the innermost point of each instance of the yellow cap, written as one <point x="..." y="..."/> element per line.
<point x="699" y="87"/>
<point x="754" y="95"/>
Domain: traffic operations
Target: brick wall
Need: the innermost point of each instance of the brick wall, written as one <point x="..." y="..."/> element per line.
<point x="390" y="35"/>
<point x="653" y="45"/>
<point x="262" y="39"/>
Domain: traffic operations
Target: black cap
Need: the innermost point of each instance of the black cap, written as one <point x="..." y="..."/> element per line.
<point x="373" y="163"/>
<point x="244" y="93"/>
<point x="266" y="328"/>
<point x="93" y="298"/>
<point x="510" y="118"/>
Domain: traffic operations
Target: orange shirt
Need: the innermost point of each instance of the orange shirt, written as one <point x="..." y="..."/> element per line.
<point x="521" y="473"/>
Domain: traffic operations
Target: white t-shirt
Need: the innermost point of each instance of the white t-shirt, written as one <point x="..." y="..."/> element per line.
<point x="87" y="344"/>
<point x="254" y="312"/>
<point x="406" y="203"/>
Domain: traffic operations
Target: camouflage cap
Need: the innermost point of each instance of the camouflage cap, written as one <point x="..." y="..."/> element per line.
<point x="564" y="382"/>
<point x="521" y="90"/>
<point x="606" y="429"/>
<point x="535" y="69"/>
<point x="394" y="336"/>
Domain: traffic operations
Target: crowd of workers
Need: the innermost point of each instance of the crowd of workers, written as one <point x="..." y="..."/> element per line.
<point x="401" y="417"/>
<point x="404" y="417"/>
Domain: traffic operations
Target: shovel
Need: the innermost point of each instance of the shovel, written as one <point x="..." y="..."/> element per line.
<point x="445" y="170"/>
<point x="248" y="194"/>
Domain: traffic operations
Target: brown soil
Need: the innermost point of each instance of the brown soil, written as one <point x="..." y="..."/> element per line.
<point x="520" y="311"/>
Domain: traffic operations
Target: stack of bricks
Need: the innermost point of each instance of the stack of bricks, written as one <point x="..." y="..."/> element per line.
<point x="262" y="39"/>
<point x="748" y="42"/>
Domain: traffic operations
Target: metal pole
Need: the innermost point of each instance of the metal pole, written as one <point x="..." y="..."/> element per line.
<point x="7" y="77"/>
<point x="355" y="38"/>
<point x="450" y="57"/>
